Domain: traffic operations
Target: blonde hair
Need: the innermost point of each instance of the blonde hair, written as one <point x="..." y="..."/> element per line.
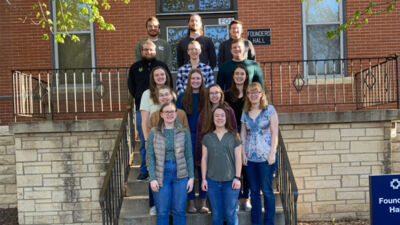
<point x="255" y="86"/>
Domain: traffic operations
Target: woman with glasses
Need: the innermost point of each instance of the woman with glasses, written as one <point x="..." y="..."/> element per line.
<point x="169" y="155"/>
<point x="215" y="99"/>
<point x="221" y="164"/>
<point x="259" y="134"/>
<point x="192" y="101"/>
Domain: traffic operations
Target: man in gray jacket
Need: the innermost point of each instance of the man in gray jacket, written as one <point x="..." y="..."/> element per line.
<point x="163" y="48"/>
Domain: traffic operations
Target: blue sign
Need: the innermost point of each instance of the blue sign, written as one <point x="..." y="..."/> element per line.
<point x="384" y="193"/>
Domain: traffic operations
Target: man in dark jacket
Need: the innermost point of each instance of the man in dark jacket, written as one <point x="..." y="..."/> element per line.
<point x="195" y="32"/>
<point x="235" y="31"/>
<point x="138" y="82"/>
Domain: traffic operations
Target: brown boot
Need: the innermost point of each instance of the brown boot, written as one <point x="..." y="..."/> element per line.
<point x="203" y="206"/>
<point x="191" y="207"/>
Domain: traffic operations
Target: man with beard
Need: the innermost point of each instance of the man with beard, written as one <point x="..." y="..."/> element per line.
<point x="163" y="48"/>
<point x="225" y="72"/>
<point x="138" y="82"/>
<point x="195" y="32"/>
<point x="235" y="31"/>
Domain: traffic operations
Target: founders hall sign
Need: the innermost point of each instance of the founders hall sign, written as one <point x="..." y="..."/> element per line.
<point x="259" y="36"/>
<point x="385" y="199"/>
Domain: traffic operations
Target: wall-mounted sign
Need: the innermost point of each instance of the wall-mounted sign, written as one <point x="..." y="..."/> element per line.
<point x="259" y="36"/>
<point x="225" y="21"/>
<point x="384" y="193"/>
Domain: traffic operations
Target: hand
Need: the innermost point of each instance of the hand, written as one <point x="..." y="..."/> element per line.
<point x="154" y="186"/>
<point x="271" y="158"/>
<point x="244" y="159"/>
<point x="189" y="186"/>
<point x="204" y="185"/>
<point x="236" y="183"/>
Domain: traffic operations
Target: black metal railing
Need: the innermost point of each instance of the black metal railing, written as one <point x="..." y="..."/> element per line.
<point x="113" y="189"/>
<point x="286" y="184"/>
<point x="42" y="92"/>
<point x="333" y="84"/>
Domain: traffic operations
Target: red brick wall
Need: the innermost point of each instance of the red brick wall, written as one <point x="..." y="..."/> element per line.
<point x="22" y="46"/>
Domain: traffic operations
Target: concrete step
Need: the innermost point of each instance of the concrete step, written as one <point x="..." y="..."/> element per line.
<point x="135" y="210"/>
<point x="128" y="217"/>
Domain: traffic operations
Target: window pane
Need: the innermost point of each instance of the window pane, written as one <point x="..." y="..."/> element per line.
<point x="214" y="4"/>
<point x="178" y="5"/>
<point x="218" y="34"/>
<point x="174" y="35"/>
<point x="75" y="55"/>
<point x="81" y="22"/>
<point x="321" y="47"/>
<point x="321" y="11"/>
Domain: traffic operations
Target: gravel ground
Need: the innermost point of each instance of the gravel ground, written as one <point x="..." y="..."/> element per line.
<point x="9" y="216"/>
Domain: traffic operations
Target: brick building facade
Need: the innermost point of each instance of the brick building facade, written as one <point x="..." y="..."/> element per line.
<point x="23" y="48"/>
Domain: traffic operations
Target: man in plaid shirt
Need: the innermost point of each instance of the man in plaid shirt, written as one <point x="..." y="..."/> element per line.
<point x="194" y="51"/>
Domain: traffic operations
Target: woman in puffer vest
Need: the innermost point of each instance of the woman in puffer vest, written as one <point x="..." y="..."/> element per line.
<point x="170" y="163"/>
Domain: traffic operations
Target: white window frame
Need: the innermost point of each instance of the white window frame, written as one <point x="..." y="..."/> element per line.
<point x="90" y="31"/>
<point x="304" y="31"/>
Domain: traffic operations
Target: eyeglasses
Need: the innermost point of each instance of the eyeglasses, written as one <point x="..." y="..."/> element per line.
<point x="169" y="112"/>
<point x="214" y="93"/>
<point x="253" y="92"/>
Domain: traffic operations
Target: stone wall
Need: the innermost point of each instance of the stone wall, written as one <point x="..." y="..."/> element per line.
<point x="332" y="161"/>
<point x="395" y="147"/>
<point x="8" y="190"/>
<point x="60" y="168"/>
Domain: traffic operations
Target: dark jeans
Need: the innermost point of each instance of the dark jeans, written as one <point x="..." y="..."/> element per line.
<point x="244" y="190"/>
<point x="142" y="149"/>
<point x="202" y="194"/>
<point x="260" y="176"/>
<point x="171" y="196"/>
<point x="223" y="201"/>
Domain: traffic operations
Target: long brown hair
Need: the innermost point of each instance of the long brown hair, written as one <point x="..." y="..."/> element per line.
<point x="160" y="123"/>
<point x="201" y="20"/>
<point x="187" y="98"/>
<point x="207" y="110"/>
<point x="228" y="125"/>
<point x="233" y="90"/>
<point x="153" y="85"/>
<point x="255" y="86"/>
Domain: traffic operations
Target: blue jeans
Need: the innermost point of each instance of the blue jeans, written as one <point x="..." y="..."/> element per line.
<point x="223" y="200"/>
<point x="202" y="194"/>
<point x="260" y="176"/>
<point x="171" y="196"/>
<point x="143" y="168"/>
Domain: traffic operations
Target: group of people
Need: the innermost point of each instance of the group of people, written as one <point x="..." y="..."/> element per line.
<point x="223" y="131"/>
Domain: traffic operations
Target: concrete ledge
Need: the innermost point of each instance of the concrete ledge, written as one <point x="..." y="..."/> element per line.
<point x="5" y="131"/>
<point x="65" y="126"/>
<point x="338" y="117"/>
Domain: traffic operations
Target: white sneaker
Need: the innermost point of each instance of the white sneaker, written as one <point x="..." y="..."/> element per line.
<point x="153" y="211"/>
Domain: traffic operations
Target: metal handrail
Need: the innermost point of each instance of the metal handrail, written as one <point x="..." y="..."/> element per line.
<point x="113" y="189"/>
<point x="332" y="84"/>
<point x="286" y="184"/>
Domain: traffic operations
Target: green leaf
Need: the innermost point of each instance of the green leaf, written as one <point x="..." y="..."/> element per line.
<point x="366" y="20"/>
<point x="45" y="36"/>
<point x="47" y="12"/>
<point x="7" y="10"/>
<point x="34" y="6"/>
<point x="85" y="11"/>
<point x="75" y="38"/>
<point x="37" y="14"/>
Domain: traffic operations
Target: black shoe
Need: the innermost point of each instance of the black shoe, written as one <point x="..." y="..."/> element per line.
<point x="143" y="176"/>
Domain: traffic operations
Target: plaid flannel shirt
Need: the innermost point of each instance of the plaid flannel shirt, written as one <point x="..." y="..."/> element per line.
<point x="183" y="74"/>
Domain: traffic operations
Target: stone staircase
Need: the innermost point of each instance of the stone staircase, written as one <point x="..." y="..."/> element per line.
<point x="135" y="206"/>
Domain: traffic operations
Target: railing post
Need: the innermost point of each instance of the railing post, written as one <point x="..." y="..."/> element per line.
<point x="397" y="80"/>
<point x="271" y="88"/>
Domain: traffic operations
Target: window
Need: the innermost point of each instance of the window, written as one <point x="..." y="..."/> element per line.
<point x="70" y="54"/>
<point x="185" y="6"/>
<point x="318" y="18"/>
